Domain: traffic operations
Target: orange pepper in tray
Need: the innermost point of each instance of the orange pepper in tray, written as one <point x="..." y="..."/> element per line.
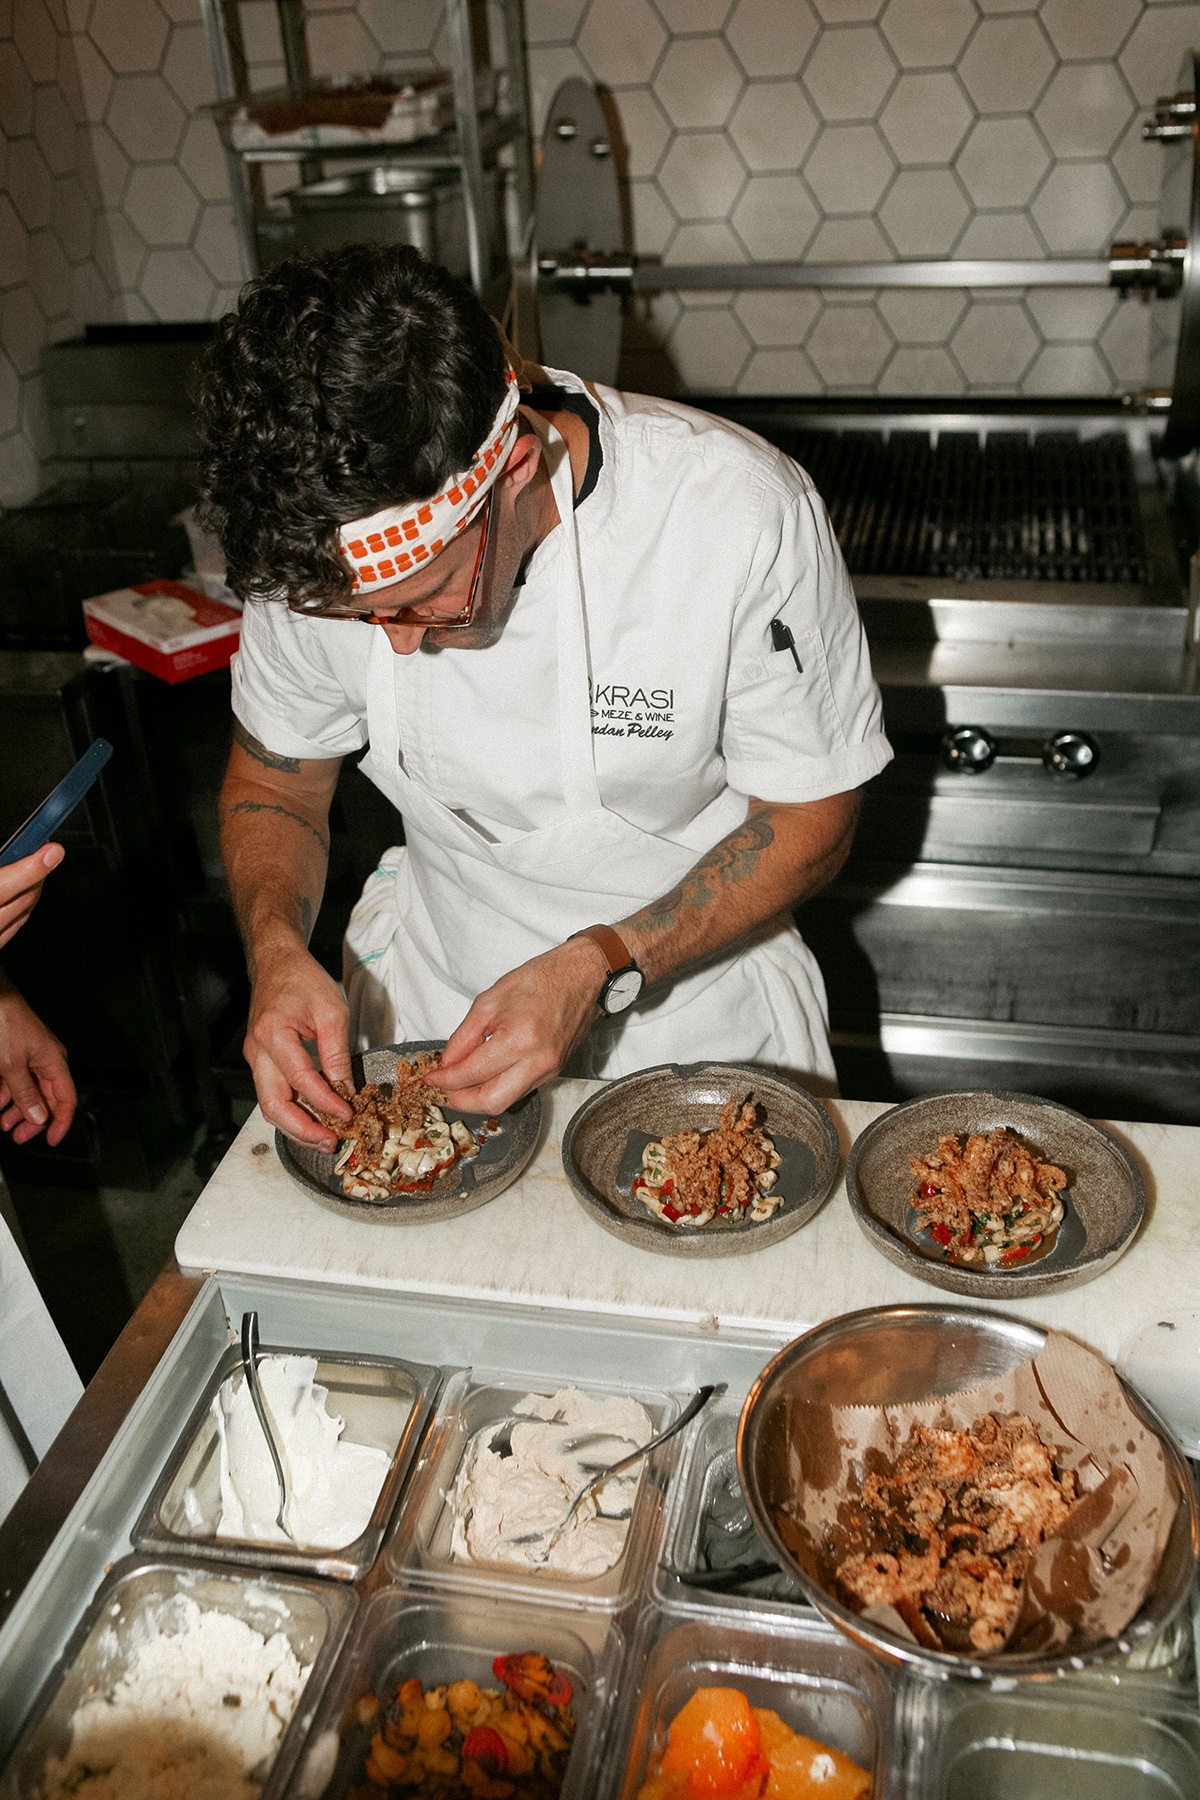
<point x="721" y="1748"/>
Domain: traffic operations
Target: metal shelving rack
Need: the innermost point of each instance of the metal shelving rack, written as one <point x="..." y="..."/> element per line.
<point x="472" y="143"/>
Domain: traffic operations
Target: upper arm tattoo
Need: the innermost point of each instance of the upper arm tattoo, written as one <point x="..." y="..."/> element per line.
<point x="284" y="812"/>
<point x="734" y="859"/>
<point x="280" y="765"/>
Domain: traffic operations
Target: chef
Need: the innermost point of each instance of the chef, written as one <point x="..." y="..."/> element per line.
<point x="603" y="656"/>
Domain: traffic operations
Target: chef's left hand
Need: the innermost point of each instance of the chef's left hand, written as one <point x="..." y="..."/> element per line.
<point x="521" y="1031"/>
<point x="36" y="1089"/>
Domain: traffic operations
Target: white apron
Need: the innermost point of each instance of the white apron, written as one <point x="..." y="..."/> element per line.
<point x="446" y="915"/>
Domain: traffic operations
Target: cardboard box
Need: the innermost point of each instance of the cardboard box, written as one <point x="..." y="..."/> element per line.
<point x="165" y="627"/>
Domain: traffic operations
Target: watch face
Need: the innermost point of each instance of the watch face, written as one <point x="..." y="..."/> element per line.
<point x="622" y="990"/>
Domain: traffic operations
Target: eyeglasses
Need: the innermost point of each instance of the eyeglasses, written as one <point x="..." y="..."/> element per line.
<point x="419" y="613"/>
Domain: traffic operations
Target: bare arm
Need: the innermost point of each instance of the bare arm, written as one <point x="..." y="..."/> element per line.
<point x="522" y="1029"/>
<point x="275" y="842"/>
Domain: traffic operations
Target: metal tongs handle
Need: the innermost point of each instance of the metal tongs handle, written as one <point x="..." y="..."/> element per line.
<point x="250" y="1364"/>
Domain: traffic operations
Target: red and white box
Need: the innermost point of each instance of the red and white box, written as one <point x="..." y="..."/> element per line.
<point x="165" y="627"/>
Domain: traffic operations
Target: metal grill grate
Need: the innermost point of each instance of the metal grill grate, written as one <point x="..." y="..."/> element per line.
<point x="1009" y="509"/>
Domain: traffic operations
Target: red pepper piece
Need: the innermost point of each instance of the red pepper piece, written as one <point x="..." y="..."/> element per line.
<point x="487" y="1747"/>
<point x="533" y="1677"/>
<point x="942" y="1234"/>
<point x="928" y="1190"/>
<point x="670" y="1212"/>
<point x="1020" y="1250"/>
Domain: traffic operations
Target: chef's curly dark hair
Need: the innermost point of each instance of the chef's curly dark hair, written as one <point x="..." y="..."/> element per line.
<point x="341" y="384"/>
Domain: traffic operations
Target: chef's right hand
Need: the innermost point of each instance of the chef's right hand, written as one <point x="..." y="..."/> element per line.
<point x="295" y="1003"/>
<point x="21" y="887"/>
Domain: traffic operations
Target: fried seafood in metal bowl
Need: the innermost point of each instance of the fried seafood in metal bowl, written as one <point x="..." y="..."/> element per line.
<point x="409" y="1156"/>
<point x="964" y="1493"/>
<point x="994" y="1195"/>
<point x="709" y="1159"/>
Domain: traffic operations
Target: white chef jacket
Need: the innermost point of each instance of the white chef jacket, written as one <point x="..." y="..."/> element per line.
<point x="696" y="536"/>
<point x="38" y="1383"/>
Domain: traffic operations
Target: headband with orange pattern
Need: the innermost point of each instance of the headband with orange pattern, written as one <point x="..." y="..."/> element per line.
<point x="392" y="544"/>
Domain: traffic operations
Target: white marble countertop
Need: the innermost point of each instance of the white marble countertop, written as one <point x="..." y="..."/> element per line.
<point x="535" y="1245"/>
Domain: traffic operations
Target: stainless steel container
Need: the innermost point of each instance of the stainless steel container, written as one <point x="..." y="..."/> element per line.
<point x="453" y="1637"/>
<point x="138" y="1595"/>
<point x="392" y="204"/>
<point x="385" y="1403"/>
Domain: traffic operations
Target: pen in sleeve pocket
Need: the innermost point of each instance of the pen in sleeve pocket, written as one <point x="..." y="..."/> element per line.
<point x="782" y="639"/>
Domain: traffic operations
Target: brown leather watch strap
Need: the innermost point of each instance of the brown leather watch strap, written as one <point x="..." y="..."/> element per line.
<point x="616" y="952"/>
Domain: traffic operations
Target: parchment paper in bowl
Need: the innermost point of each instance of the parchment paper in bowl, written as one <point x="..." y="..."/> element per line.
<point x="1086" y="1582"/>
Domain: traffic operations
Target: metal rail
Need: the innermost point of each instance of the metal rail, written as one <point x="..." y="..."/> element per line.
<point x="628" y="275"/>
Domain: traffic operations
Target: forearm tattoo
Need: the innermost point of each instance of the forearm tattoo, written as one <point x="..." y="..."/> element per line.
<point x="284" y="812"/>
<point x="733" y="860"/>
<point x="280" y="765"/>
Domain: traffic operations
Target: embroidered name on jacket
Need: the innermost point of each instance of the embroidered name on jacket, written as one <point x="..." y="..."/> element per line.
<point x="619" y="710"/>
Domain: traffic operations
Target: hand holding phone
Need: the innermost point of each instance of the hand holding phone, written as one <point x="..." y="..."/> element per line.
<point x="58" y="806"/>
<point x="21" y="887"/>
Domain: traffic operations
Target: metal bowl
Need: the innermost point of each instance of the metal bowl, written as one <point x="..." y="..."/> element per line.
<point x="602" y="1149"/>
<point x="1104" y="1197"/>
<point x="892" y="1356"/>
<point x="463" y="1187"/>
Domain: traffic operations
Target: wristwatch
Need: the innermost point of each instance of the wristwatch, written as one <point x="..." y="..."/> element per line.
<point x="624" y="981"/>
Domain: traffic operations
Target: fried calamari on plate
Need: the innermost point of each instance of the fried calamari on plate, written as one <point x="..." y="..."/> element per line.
<point x="992" y="1201"/>
<point x="690" y="1177"/>
<point x="399" y="1140"/>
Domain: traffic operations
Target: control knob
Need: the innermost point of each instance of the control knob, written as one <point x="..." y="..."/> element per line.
<point x="968" y="749"/>
<point x="1071" y="754"/>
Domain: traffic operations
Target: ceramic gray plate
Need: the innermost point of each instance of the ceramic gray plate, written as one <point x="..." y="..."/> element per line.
<point x="602" y="1151"/>
<point x="461" y="1189"/>
<point x="1104" y="1196"/>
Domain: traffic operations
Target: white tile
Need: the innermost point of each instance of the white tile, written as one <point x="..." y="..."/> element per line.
<point x="653" y="220"/>
<point x="783" y="372"/>
<point x="1152" y="56"/>
<point x="22" y="329"/>
<point x="1140" y="223"/>
<point x="1139" y="165"/>
<point x="995" y="343"/>
<point x="145" y="118"/>
<point x="546" y="21"/>
<point x="410" y="30"/>
<point x="91" y="302"/>
<point x="66" y="80"/>
<point x="131" y="35"/>
<point x="851" y="241"/>
<point x="1078" y="208"/>
<point x="723" y="297"/>
<point x="847" y="12"/>
<point x="773" y="125"/>
<point x="162" y="204"/>
<point x="701" y="175"/>
<point x="694" y="15"/>
<point x="1002" y="162"/>
<point x="1080" y="28"/>
<point x="49" y="274"/>
<point x="224" y="301"/>
<point x="16" y="93"/>
<point x="924" y="211"/>
<point x="1085" y="109"/>
<point x="10" y="396"/>
<point x="1125" y="344"/>
<point x="697" y="82"/>
<point x="848" y="346"/>
<point x="777" y="317"/>
<point x="709" y="349"/>
<point x="925" y="369"/>
<point x="622" y="44"/>
<point x="29" y="184"/>
<point x="175" y="285"/>
<point x="1008" y="6"/>
<point x="849" y="168"/>
<point x="20" y="474"/>
<point x="134" y="310"/>
<point x="338" y="44"/>
<point x="775" y="218"/>
<point x="188" y="68"/>
<point x="216" y="244"/>
<point x="54" y="129"/>
<point x="926" y="118"/>
<point x="95" y="77"/>
<point x="181" y="12"/>
<point x="928" y="34"/>
<point x="700" y="243"/>
<point x="202" y="159"/>
<point x="1068" y="369"/>
<point x="849" y="73"/>
<point x="770" y="38"/>
<point x="1006" y="65"/>
<point x="72" y="218"/>
<point x="260" y="34"/>
<point x="36" y="39"/>
<point x="644" y="127"/>
<point x="110" y="163"/>
<point x="1071" y="314"/>
<point x="120" y="252"/>
<point x="921" y="315"/>
<point x="1005" y="236"/>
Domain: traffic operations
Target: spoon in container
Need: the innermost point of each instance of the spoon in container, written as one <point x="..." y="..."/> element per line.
<point x="250" y="1364"/>
<point x="550" y="1537"/>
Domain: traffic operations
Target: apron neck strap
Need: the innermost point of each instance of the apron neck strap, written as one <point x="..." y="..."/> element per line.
<point x="576" y="748"/>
